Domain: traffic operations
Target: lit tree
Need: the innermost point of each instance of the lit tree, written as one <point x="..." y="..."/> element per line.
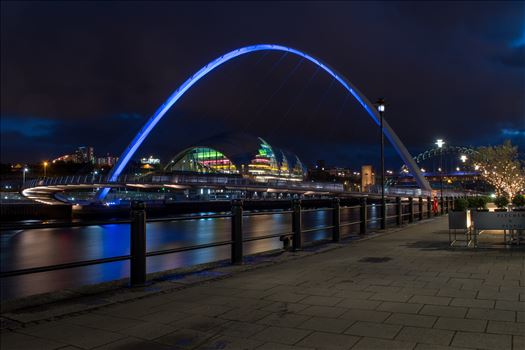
<point x="500" y="167"/>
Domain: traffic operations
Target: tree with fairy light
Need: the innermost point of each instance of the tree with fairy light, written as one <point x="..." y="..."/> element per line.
<point x="500" y="167"/>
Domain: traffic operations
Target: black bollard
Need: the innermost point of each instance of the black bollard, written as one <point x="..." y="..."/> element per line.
<point x="138" y="244"/>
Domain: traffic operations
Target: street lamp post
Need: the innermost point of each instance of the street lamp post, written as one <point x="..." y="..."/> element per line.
<point x="440" y="144"/>
<point x="381" y="109"/>
<point x="45" y="168"/>
<point x="24" y="171"/>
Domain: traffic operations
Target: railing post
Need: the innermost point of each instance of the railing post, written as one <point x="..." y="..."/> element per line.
<point x="363" y="216"/>
<point x="137" y="265"/>
<point x="336" y="220"/>
<point x="420" y="208"/>
<point x="429" y="207"/>
<point x="410" y="209"/>
<point x="237" y="244"/>
<point x="296" y="225"/>
<point x="399" y="211"/>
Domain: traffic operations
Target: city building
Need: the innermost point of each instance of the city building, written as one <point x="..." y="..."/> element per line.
<point x="108" y="160"/>
<point x="85" y="154"/>
<point x="367" y="177"/>
<point x="239" y="154"/>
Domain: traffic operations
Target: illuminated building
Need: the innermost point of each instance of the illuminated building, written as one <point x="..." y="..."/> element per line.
<point x="107" y="160"/>
<point x="239" y="154"/>
<point x="367" y="177"/>
<point x="85" y="154"/>
<point x="150" y="160"/>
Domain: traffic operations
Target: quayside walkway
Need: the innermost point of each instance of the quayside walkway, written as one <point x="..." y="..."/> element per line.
<point x="402" y="290"/>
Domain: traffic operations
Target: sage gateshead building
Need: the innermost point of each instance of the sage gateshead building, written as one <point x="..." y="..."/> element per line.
<point x="238" y="155"/>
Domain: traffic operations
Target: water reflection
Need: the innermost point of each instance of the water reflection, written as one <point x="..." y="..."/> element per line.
<point x="40" y="247"/>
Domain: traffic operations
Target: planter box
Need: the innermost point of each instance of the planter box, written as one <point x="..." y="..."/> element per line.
<point x="498" y="220"/>
<point x="458" y="220"/>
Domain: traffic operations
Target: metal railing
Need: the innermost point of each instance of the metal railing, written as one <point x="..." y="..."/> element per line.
<point x="293" y="238"/>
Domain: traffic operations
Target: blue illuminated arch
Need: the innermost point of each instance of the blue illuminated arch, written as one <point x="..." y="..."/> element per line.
<point x="175" y="96"/>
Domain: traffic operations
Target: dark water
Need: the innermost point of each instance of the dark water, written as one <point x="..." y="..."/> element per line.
<point x="39" y="247"/>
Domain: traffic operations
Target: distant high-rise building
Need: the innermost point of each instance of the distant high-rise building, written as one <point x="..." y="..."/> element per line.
<point x="85" y="154"/>
<point x="367" y="177"/>
<point x="107" y="160"/>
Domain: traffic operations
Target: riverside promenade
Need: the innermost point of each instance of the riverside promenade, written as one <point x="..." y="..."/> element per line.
<point x="404" y="289"/>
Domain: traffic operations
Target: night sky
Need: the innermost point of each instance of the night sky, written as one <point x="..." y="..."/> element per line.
<point x="88" y="73"/>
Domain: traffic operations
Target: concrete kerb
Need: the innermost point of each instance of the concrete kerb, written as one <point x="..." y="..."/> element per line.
<point x="51" y="306"/>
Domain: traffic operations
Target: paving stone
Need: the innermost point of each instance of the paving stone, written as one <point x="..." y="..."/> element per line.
<point x="275" y="346"/>
<point x="148" y="330"/>
<point x="482" y="341"/>
<point x="107" y="323"/>
<point x="282" y="335"/>
<point x="325" y="324"/>
<point x="353" y="294"/>
<point x="520" y="316"/>
<point x="185" y="338"/>
<point x="324" y="311"/>
<point x="500" y="327"/>
<point x="132" y="343"/>
<point x="437" y="347"/>
<point x="230" y="343"/>
<point x="321" y="300"/>
<point x="200" y="323"/>
<point x="329" y="341"/>
<point x="377" y="344"/>
<point x="164" y="316"/>
<point x="491" y="314"/>
<point x="419" y="291"/>
<point x="286" y="297"/>
<point x="408" y="308"/>
<point x="411" y="320"/>
<point x="285" y="307"/>
<point x="365" y="315"/>
<point x="318" y="291"/>
<point x="279" y="319"/>
<point x="83" y="337"/>
<point x="359" y="304"/>
<point x="446" y="311"/>
<point x="432" y="300"/>
<point x="209" y="310"/>
<point x="242" y="329"/>
<point x="510" y="305"/>
<point x="425" y="335"/>
<point x="376" y="330"/>
<point x="244" y="315"/>
<point x="461" y="324"/>
<point x="518" y="342"/>
<point x="492" y="295"/>
<point x="13" y="340"/>
<point x="479" y="303"/>
<point x="391" y="297"/>
<point x="457" y="293"/>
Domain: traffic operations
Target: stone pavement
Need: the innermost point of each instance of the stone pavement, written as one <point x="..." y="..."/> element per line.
<point x="401" y="290"/>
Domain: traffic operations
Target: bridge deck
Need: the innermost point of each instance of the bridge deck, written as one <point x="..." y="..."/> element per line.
<point x="402" y="290"/>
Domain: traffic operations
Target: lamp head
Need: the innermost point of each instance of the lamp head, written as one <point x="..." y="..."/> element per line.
<point x="440" y="143"/>
<point x="380" y="105"/>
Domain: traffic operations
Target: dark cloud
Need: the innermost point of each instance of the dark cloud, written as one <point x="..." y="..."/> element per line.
<point x="94" y="71"/>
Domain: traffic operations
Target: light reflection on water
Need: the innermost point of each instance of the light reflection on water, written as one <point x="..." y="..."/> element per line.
<point x="40" y="247"/>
